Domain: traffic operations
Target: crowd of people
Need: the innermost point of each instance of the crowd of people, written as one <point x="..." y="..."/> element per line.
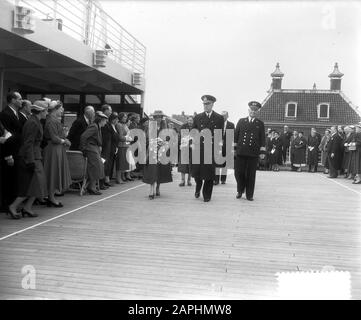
<point x="337" y="150"/>
<point x="34" y="167"/>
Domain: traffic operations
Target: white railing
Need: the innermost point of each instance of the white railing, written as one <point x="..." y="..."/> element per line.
<point x="86" y="21"/>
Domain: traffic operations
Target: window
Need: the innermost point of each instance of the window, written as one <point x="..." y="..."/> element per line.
<point x="92" y="98"/>
<point x="112" y="98"/>
<point x="71" y="98"/>
<point x="33" y="97"/>
<point x="291" y="109"/>
<point x="53" y="96"/>
<point x="323" y="110"/>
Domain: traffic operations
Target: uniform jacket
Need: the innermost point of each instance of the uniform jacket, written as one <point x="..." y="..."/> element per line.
<point x="249" y="137"/>
<point x="32" y="136"/>
<point x="91" y="139"/>
<point x="12" y="124"/>
<point x="76" y="130"/>
<point x="202" y="121"/>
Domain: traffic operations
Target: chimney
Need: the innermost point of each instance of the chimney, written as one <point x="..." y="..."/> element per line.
<point x="335" y="78"/>
<point x="277" y="76"/>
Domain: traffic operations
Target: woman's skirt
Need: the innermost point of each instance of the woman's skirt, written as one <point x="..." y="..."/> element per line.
<point x="121" y="159"/>
<point x="95" y="166"/>
<point x="32" y="183"/>
<point x="157" y="173"/>
<point x="299" y="157"/>
<point x="56" y="168"/>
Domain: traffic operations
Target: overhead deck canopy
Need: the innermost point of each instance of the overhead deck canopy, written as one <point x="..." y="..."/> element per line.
<point x="50" y="60"/>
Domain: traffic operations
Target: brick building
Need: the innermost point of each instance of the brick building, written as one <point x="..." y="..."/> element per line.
<point x="302" y="109"/>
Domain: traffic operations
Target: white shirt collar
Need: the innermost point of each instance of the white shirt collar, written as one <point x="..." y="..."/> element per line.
<point x="86" y="120"/>
<point x="250" y="119"/>
<point x="24" y="115"/>
<point x="208" y="114"/>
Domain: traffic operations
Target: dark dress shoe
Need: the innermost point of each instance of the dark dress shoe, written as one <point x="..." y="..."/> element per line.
<point x="197" y="194"/>
<point x="216" y="183"/>
<point x="182" y="184"/>
<point x="250" y="199"/>
<point x="207" y="200"/>
<point x="151" y="197"/>
<point x="239" y="195"/>
<point x="157" y="194"/>
<point x="27" y="213"/>
<point x="103" y="187"/>
<point x="39" y="202"/>
<point x="53" y="204"/>
<point x="107" y="184"/>
<point x="189" y="184"/>
<point x="223" y="182"/>
<point x="96" y="192"/>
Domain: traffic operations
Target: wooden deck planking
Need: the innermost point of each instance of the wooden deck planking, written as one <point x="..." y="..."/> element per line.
<point x="179" y="247"/>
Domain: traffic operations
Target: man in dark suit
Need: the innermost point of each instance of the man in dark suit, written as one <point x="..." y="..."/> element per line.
<point x="221" y="170"/>
<point x="334" y="152"/>
<point x="249" y="139"/>
<point x="9" y="117"/>
<point x="286" y="140"/>
<point x="79" y="126"/>
<point x="204" y="172"/>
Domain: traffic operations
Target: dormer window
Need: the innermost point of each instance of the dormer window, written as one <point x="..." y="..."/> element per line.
<point x="291" y="109"/>
<point x="323" y="111"/>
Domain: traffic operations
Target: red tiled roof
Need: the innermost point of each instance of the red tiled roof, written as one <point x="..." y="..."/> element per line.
<point x="341" y="112"/>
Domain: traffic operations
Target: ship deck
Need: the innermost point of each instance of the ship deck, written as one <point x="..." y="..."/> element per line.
<point x="120" y="245"/>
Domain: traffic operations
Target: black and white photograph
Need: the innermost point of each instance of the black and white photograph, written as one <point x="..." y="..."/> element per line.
<point x="205" y="152"/>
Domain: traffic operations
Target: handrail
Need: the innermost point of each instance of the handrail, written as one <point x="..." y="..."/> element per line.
<point x="87" y="22"/>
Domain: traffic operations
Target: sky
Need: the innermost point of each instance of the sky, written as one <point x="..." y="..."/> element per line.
<point x="229" y="48"/>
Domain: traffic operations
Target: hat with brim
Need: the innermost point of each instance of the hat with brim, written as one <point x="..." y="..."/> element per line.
<point x="54" y="105"/>
<point x="39" y="105"/>
<point x="208" y="98"/>
<point x="254" y="105"/>
<point x="101" y="115"/>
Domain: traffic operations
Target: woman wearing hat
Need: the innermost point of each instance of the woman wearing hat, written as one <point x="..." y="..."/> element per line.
<point x="122" y="164"/>
<point x="155" y="173"/>
<point x="300" y="144"/>
<point x="56" y="165"/>
<point x="275" y="154"/>
<point x="90" y="145"/>
<point x="312" y="151"/>
<point x="31" y="176"/>
<point x="184" y="142"/>
<point x="110" y="144"/>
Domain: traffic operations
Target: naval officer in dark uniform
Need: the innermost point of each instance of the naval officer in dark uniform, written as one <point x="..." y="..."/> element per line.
<point x="204" y="173"/>
<point x="249" y="138"/>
